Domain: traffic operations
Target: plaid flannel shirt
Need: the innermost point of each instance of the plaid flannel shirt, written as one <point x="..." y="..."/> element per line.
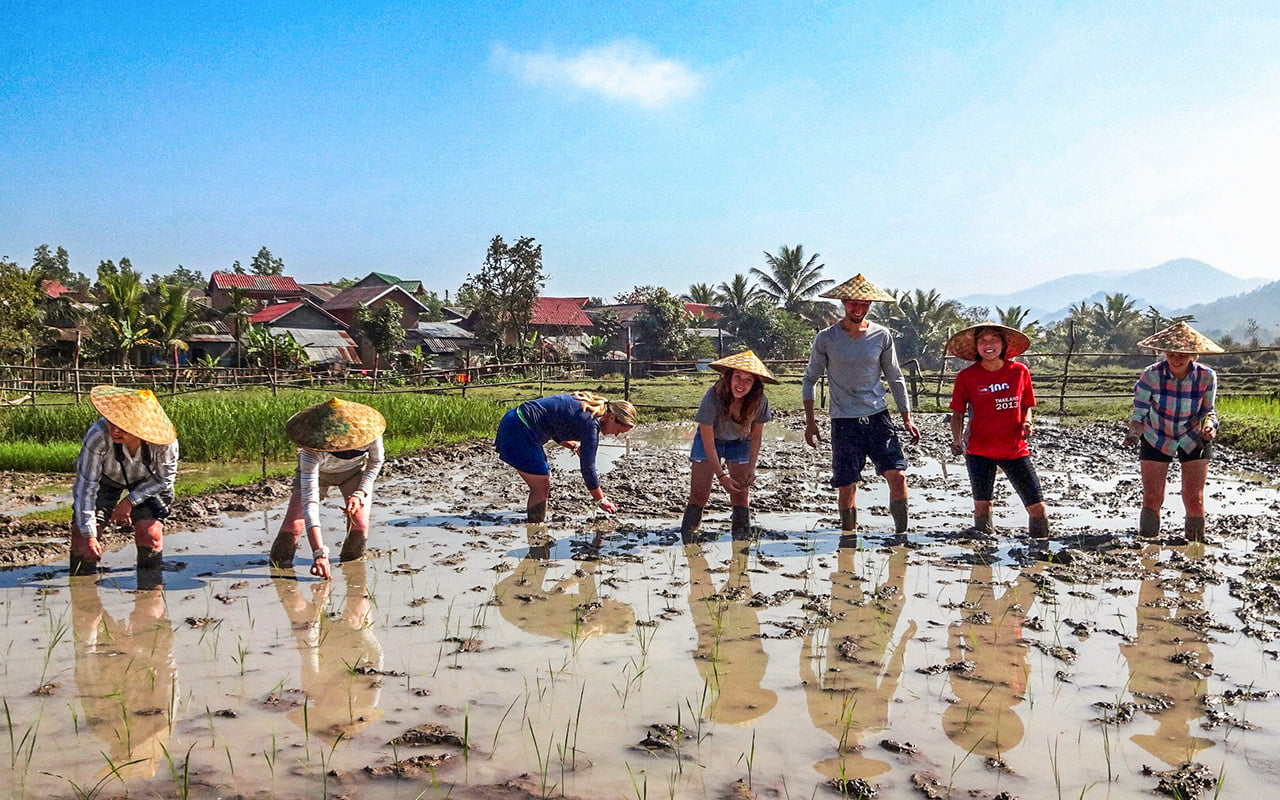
<point x="1172" y="411"/>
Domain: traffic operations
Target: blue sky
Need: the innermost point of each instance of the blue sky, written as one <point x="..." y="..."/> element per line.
<point x="967" y="147"/>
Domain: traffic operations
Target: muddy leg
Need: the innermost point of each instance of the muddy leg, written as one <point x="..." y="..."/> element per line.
<point x="283" y="549"/>
<point x="1148" y="523"/>
<point x="83" y="566"/>
<point x="692" y="518"/>
<point x="849" y="519"/>
<point x="740" y="526"/>
<point x="1194" y="529"/>
<point x="982" y="519"/>
<point x="1038" y="527"/>
<point x="536" y="513"/>
<point x="898" y="509"/>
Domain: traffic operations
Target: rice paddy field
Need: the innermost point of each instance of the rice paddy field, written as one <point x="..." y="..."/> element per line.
<point x="471" y="655"/>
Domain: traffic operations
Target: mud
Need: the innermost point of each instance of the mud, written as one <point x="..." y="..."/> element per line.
<point x="469" y="655"/>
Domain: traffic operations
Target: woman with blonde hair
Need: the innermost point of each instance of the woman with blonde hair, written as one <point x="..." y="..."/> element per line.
<point x="731" y="422"/>
<point x="575" y="422"/>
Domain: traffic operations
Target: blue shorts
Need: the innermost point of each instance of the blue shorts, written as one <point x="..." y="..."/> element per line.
<point x="517" y="446"/>
<point x="855" y="439"/>
<point x="1019" y="471"/>
<point x="732" y="451"/>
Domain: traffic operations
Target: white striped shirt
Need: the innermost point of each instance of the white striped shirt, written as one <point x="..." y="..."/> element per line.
<point x="313" y="462"/>
<point x="97" y="461"/>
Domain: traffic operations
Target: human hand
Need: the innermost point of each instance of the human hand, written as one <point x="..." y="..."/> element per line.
<point x="913" y="430"/>
<point x="123" y="512"/>
<point x="1208" y="431"/>
<point x="608" y="505"/>
<point x="572" y="445"/>
<point x="957" y="448"/>
<point x="1131" y="439"/>
<point x="811" y="434"/>
<point x="1027" y="429"/>
<point x="321" y="568"/>
<point x="727" y="481"/>
<point x="355" y="501"/>
<point x="86" y="547"/>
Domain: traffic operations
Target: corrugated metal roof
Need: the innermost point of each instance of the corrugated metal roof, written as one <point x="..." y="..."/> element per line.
<point x="272" y="283"/>
<point x="444" y="330"/>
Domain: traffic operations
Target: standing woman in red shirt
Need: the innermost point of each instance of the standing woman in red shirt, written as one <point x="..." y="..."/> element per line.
<point x="998" y="394"/>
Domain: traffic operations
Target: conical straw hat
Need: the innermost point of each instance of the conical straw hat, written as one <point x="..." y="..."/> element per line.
<point x="135" y="411"/>
<point x="1180" y="338"/>
<point x="335" y="424"/>
<point x="746" y="361"/>
<point x="963" y="344"/>
<point x="859" y="288"/>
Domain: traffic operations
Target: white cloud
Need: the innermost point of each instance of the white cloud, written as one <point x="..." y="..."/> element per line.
<point x="627" y="71"/>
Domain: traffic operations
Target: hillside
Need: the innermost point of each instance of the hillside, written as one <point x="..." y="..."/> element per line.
<point x="1230" y="315"/>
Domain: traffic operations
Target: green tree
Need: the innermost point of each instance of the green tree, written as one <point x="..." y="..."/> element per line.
<point x="176" y="318"/>
<point x="181" y="276"/>
<point x="56" y="266"/>
<point x="663" y="328"/>
<point x="1016" y="317"/>
<point x="791" y="281"/>
<point x="266" y="264"/>
<point x="736" y="297"/>
<point x="923" y="322"/>
<point x="638" y="295"/>
<point x="383" y="328"/>
<point x="20" y="319"/>
<point x="1115" y="323"/>
<point x="120" y="324"/>
<point x="264" y="349"/>
<point x="240" y="307"/>
<point x="608" y="324"/>
<point x="505" y="289"/>
<point x="701" y="293"/>
<point x="774" y="332"/>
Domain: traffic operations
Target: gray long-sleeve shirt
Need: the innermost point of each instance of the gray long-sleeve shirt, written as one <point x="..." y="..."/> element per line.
<point x="97" y="461"/>
<point x="853" y="368"/>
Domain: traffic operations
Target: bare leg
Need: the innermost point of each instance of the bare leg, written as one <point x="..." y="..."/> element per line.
<point x="291" y="529"/>
<point x="539" y="491"/>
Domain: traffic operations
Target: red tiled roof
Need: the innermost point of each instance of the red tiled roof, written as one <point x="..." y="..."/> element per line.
<point x="560" y="311"/>
<point x="261" y="283"/>
<point x="703" y="310"/>
<point x="272" y="312"/>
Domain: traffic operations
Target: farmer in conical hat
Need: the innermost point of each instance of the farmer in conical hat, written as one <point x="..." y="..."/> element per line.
<point x="855" y="354"/>
<point x="731" y="422"/>
<point x="124" y="476"/>
<point x="575" y="422"/>
<point x="998" y="395"/>
<point x="339" y="444"/>
<point x="1174" y="417"/>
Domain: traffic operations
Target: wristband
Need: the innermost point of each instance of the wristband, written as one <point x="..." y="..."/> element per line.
<point x="320" y="552"/>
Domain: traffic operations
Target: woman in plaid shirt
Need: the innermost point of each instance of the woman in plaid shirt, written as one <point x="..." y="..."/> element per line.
<point x="1173" y="416"/>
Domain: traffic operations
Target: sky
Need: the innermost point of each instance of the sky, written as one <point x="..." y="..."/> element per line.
<point x="960" y="146"/>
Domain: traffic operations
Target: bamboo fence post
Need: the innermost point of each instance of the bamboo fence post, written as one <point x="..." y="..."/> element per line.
<point x="1066" y="364"/>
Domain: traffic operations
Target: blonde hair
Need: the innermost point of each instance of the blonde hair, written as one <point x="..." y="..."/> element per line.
<point x="597" y="406"/>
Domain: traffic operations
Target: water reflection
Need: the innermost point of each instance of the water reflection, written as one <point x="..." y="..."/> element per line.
<point x="989" y="636"/>
<point x="729" y="656"/>
<point x="340" y="654"/>
<point x="125" y="676"/>
<point x="850" y="683"/>
<point x="1170" y="660"/>
<point x="539" y="598"/>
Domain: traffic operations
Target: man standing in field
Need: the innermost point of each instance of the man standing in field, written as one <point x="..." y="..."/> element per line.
<point x="854" y="354"/>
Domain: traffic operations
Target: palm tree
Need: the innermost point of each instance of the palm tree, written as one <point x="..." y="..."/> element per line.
<point x="734" y="297"/>
<point x="1016" y="317"/>
<point x="120" y="311"/>
<point x="1115" y="321"/>
<point x="923" y="321"/>
<point x="176" y="318"/>
<point x="792" y="280"/>
<point x="239" y="308"/>
<point x="701" y="293"/>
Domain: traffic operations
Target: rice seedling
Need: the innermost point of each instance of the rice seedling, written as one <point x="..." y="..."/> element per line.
<point x="56" y="631"/>
<point x="544" y="762"/>
<point x="91" y="792"/>
<point x="181" y="777"/>
<point x="750" y="758"/>
<point x="22" y="749"/>
<point x="493" y="748"/>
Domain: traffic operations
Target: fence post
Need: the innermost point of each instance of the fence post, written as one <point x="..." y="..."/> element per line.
<point x="912" y="377"/>
<point x="1066" y="364"/>
<point x="626" y="376"/>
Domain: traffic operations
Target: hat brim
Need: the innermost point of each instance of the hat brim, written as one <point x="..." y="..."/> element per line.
<point x="136" y="412"/>
<point x="339" y="425"/>
<point x="963" y="344"/>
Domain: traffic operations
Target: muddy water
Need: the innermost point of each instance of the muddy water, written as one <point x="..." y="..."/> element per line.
<point x="966" y="666"/>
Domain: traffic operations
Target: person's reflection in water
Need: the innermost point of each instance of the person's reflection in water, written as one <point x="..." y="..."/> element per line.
<point x="850" y="684"/>
<point x="730" y="655"/>
<point x="1164" y="606"/>
<point x="539" y="597"/>
<point x="340" y="654"/>
<point x="989" y="636"/>
<point x="125" y="676"/>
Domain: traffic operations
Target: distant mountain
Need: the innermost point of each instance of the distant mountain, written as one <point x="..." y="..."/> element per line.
<point x="1165" y="286"/>
<point x="1231" y="315"/>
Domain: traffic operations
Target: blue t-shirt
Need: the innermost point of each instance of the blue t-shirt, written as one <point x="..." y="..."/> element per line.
<point x="561" y="418"/>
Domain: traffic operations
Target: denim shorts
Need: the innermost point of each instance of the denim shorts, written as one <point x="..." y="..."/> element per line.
<point x="1019" y="471"/>
<point x="732" y="451"/>
<point x="855" y="439"/>
<point x="109" y="493"/>
<point x="1150" y="453"/>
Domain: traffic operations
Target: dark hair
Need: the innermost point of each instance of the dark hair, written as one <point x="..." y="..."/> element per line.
<point x="750" y="404"/>
<point x="1004" y="343"/>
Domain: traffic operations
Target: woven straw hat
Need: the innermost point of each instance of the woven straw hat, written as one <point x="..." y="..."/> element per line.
<point x="963" y="344"/>
<point x="1181" y="338"/>
<point x="746" y="361"/>
<point x="859" y="288"/>
<point x="335" y="424"/>
<point x="135" y="411"/>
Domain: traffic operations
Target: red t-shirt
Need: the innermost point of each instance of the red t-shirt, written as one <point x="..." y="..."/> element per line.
<point x="999" y="400"/>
